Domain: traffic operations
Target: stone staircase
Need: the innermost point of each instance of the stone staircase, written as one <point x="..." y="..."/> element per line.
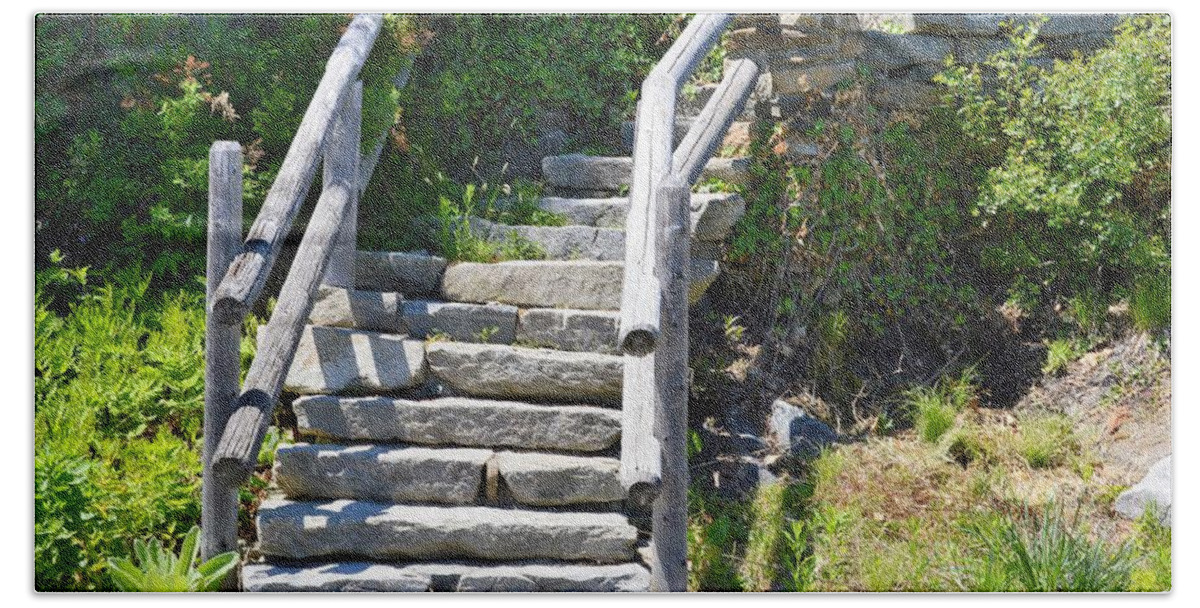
<point x="463" y="420"/>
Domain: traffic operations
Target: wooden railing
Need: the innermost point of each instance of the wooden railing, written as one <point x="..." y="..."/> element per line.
<point x="236" y="417"/>
<point x="654" y="300"/>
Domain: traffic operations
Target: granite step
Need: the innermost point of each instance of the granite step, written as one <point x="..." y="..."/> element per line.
<point x="459" y="421"/>
<point x="513" y="372"/>
<point x="612" y="173"/>
<point x="446" y="576"/>
<point x="302" y="530"/>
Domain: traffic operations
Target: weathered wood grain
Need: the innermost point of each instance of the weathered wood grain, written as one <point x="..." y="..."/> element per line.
<point x="248" y="273"/>
<point x="708" y="130"/>
<point x="222" y="352"/>
<point x="341" y="264"/>
<point x="237" y="451"/>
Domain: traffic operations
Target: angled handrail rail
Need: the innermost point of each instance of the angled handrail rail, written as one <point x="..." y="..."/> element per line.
<point x="237" y="416"/>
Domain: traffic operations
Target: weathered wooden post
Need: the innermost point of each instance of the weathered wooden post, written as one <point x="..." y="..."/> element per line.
<point x="669" y="565"/>
<point x="222" y="344"/>
<point x="342" y="155"/>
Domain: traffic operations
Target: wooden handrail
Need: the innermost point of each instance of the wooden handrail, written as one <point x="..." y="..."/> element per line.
<point x="654" y="300"/>
<point x="237" y="453"/>
<point x="709" y="129"/>
<point x="244" y="281"/>
<point x="652" y="161"/>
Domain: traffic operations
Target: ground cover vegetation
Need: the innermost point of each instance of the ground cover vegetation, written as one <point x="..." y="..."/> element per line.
<point x="927" y="271"/>
<point x="900" y="279"/>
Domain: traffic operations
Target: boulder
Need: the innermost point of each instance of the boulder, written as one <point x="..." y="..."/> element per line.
<point x="1155" y="489"/>
<point x="797" y="433"/>
<point x="460" y="321"/>
<point x="555" y="284"/>
<point x="886" y="52"/>
<point x="372" y="310"/>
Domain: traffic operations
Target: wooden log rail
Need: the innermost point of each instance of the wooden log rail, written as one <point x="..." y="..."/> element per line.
<point x="236" y="419"/>
<point x="654" y="305"/>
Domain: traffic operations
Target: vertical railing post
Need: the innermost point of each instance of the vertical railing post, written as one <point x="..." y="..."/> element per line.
<point x="342" y="155"/>
<point x="669" y="561"/>
<point x="222" y="350"/>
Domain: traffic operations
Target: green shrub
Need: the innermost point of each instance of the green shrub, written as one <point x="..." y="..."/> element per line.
<point x="118" y="389"/>
<point x="128" y="105"/>
<point x="1077" y="192"/>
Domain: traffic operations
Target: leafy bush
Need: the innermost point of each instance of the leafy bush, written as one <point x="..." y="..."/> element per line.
<point x="1077" y="193"/>
<point x="158" y="569"/>
<point x="128" y="105"/>
<point x="118" y="387"/>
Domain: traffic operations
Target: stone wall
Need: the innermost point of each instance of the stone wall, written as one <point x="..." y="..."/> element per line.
<point x="806" y="56"/>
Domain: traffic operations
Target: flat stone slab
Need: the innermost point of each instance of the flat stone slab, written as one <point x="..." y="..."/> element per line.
<point x="347" y="361"/>
<point x="510" y="372"/>
<point x="583" y="172"/>
<point x="381" y="473"/>
<point x="558" y="242"/>
<point x="546" y="480"/>
<point x="713" y="213"/>
<point x="514" y="576"/>
<point x="460" y="421"/>
<point x="566" y="329"/>
<point x="354" y="309"/>
<point x="554" y="284"/>
<point x="557" y="578"/>
<point x="460" y="321"/>
<point x="412" y="274"/>
<point x="307" y="530"/>
<point x="1155" y="489"/>
<point x="339" y="576"/>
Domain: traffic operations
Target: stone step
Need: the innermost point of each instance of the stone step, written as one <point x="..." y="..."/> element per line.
<point x="592" y="331"/>
<point x="551" y="480"/>
<point x="447" y="576"/>
<point x="348" y="361"/>
<point x="388" y="312"/>
<point x="410" y="274"/>
<point x="299" y="530"/>
<point x="558" y="242"/>
<point x="380" y="473"/>
<point x="587" y="285"/>
<point x="512" y="372"/>
<point x="713" y="213"/>
<point x="612" y="173"/>
<point x="386" y="473"/>
<point x="459" y="421"/>
<point x="589" y="243"/>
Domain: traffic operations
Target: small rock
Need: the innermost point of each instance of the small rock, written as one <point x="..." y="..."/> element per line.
<point x="796" y="432"/>
<point x="1154" y="488"/>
